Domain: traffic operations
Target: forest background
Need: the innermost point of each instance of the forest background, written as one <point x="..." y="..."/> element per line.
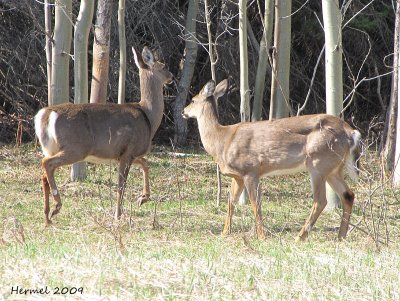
<point x="367" y="65"/>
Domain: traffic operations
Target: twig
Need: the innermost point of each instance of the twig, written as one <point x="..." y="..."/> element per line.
<point x="312" y="82"/>
<point x="356" y="14"/>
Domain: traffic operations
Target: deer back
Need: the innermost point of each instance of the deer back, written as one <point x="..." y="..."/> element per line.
<point x="288" y="145"/>
<point x="97" y="130"/>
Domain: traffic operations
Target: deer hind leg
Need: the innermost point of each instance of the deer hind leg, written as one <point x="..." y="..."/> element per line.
<point x="124" y="166"/>
<point x="46" y="193"/>
<point x="234" y="194"/>
<point x="50" y="164"/>
<point x="338" y="184"/>
<point x="146" y="184"/>
<point x="253" y="187"/>
<point x="319" y="196"/>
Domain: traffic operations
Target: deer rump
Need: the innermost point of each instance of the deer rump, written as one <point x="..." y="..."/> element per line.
<point x="97" y="133"/>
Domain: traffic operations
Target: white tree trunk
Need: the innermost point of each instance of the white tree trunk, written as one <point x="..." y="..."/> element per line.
<point x="389" y="145"/>
<point x="47" y="26"/>
<point x="279" y="105"/>
<point x="396" y="169"/>
<point x="333" y="69"/>
<point x="122" y="51"/>
<point x="244" y="75"/>
<point x="81" y="35"/>
<point x="187" y="72"/>
<point x="61" y="52"/>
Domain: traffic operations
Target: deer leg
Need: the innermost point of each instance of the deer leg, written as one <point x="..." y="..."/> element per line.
<point x="252" y="184"/>
<point x="50" y="164"/>
<point x="46" y="193"/>
<point x="146" y="184"/>
<point x="319" y="192"/>
<point x="347" y="198"/>
<point x="124" y="166"/>
<point x="234" y="194"/>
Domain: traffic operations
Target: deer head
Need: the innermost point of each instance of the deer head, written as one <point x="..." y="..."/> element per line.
<point x="207" y="96"/>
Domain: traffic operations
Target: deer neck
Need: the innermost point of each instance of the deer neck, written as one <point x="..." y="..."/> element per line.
<point x="212" y="134"/>
<point x="151" y="99"/>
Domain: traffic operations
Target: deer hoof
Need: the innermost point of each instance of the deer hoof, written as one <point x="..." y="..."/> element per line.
<point x="55" y="210"/>
<point x="261" y="236"/>
<point x="142" y="199"/>
<point x="300" y="238"/>
<point x="225" y="232"/>
<point x="118" y="216"/>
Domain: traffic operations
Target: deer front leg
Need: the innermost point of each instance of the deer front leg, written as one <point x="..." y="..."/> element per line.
<point x="124" y="166"/>
<point x="146" y="184"/>
<point x="234" y="194"/>
<point x="252" y="184"/>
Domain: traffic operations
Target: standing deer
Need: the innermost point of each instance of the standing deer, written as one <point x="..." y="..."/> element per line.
<point x="103" y="133"/>
<point x="321" y="144"/>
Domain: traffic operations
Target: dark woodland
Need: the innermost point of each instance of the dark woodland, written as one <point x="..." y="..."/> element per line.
<point x="159" y="24"/>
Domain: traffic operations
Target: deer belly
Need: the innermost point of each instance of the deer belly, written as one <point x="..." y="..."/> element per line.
<point x="98" y="160"/>
<point x="286" y="171"/>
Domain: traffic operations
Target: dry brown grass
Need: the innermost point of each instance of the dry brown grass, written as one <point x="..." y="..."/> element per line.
<point x="171" y="248"/>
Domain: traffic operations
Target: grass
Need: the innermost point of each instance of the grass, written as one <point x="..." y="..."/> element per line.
<point x="171" y="248"/>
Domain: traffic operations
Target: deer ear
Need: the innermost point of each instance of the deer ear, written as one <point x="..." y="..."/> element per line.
<point x="148" y="57"/>
<point x="208" y="89"/>
<point x="138" y="60"/>
<point x="221" y="88"/>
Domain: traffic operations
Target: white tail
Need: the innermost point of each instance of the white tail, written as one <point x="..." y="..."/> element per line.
<point x="69" y="133"/>
<point x="321" y="144"/>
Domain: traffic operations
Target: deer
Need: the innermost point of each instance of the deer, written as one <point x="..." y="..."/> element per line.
<point x="103" y="133"/>
<point x="323" y="145"/>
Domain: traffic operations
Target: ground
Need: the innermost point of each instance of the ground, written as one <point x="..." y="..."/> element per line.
<point x="171" y="248"/>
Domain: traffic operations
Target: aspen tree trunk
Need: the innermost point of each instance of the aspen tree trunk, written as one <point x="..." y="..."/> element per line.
<point x="244" y="72"/>
<point x="279" y="105"/>
<point x="396" y="169"/>
<point x="101" y="52"/>
<point x="187" y="72"/>
<point x="47" y="26"/>
<point x="333" y="69"/>
<point x="244" y="61"/>
<point x="81" y="36"/>
<point x="390" y="145"/>
<point x="61" y="52"/>
<point x="122" y="51"/>
<point x="263" y="61"/>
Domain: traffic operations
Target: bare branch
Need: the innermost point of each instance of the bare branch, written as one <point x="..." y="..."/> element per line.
<point x="312" y="82"/>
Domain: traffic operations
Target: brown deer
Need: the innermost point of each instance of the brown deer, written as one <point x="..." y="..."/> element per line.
<point x="103" y="133"/>
<point x="321" y="144"/>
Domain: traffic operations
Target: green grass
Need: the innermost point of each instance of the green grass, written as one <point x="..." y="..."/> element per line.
<point x="171" y="248"/>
